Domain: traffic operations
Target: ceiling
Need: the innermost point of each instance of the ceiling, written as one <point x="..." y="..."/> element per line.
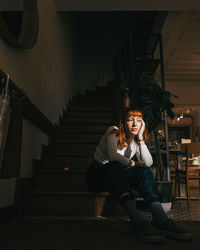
<point x="181" y="42"/>
<point x="110" y="5"/>
<point x="183" y="51"/>
<point x="126" y="5"/>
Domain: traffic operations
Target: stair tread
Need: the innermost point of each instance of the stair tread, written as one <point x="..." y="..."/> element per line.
<point x="90" y="108"/>
<point x="88" y="113"/>
<point x="97" y="105"/>
<point x="61" y="192"/>
<point x="88" y="121"/>
<point x="75" y="163"/>
<point x="70" y="149"/>
<point x="66" y="156"/>
<point x="74" y="141"/>
<point x="64" y="160"/>
<point x="60" y="171"/>
<point x="78" y="129"/>
<point x="76" y="136"/>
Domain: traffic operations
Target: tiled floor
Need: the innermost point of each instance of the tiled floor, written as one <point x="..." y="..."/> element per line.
<point x="184" y="212"/>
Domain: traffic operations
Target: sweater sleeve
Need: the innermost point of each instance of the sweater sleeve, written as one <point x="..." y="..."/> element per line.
<point x="112" y="142"/>
<point x="144" y="155"/>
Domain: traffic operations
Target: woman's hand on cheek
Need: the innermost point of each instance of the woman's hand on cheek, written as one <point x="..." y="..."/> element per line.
<point x="141" y="131"/>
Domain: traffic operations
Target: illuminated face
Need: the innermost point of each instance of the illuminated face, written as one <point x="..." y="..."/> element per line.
<point x="133" y="124"/>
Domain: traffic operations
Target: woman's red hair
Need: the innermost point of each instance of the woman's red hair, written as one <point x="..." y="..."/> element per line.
<point x="121" y="132"/>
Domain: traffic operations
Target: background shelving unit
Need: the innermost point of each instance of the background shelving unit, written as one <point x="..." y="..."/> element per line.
<point x="144" y="53"/>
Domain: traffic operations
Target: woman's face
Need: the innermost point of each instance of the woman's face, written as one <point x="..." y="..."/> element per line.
<point x="133" y="124"/>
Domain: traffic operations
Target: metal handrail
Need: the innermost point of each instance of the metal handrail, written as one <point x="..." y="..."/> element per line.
<point x="16" y="91"/>
<point x="21" y="106"/>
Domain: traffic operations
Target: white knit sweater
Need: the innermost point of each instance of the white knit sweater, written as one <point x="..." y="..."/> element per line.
<point x="108" y="150"/>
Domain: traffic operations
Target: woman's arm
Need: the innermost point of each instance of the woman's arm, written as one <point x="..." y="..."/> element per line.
<point x="111" y="150"/>
<point x="142" y="151"/>
<point x="144" y="155"/>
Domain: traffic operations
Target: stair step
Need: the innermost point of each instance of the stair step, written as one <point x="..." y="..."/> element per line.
<point x="88" y="121"/>
<point x="59" y="163"/>
<point x="99" y="105"/>
<point x="62" y="171"/>
<point x="62" y="203"/>
<point x="102" y="89"/>
<point x="88" y="114"/>
<point x="53" y="180"/>
<point x="90" y="108"/>
<point x="79" y="129"/>
<point x="74" y="139"/>
<point x="96" y="101"/>
<point x="70" y="149"/>
<point x="102" y="94"/>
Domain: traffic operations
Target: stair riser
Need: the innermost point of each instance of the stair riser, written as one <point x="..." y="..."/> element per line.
<point x="79" y="136"/>
<point x="90" y="108"/>
<point x="70" y="150"/>
<point x="65" y="205"/>
<point x="89" y="115"/>
<point x="96" y="101"/>
<point x="64" y="140"/>
<point x="74" y="164"/>
<point x="88" y="121"/>
<point x="74" y="129"/>
<point x="58" y="205"/>
<point x="99" y="95"/>
<point x="73" y="182"/>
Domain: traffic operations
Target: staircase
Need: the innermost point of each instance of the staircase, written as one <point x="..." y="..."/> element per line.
<point x="58" y="186"/>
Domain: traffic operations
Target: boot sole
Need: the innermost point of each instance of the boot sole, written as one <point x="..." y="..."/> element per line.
<point x="150" y="238"/>
<point x="177" y="236"/>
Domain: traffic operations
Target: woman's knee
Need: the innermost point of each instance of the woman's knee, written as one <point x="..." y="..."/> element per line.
<point x="147" y="171"/>
<point x="146" y="178"/>
<point x="126" y="196"/>
<point x="115" y="164"/>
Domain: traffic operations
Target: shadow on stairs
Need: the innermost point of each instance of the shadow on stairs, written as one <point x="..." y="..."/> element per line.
<point x="58" y="185"/>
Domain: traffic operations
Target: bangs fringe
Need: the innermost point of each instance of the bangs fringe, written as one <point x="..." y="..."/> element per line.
<point x="135" y="113"/>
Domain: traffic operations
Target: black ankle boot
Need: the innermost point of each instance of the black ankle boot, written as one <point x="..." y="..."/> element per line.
<point x="170" y="229"/>
<point x="146" y="232"/>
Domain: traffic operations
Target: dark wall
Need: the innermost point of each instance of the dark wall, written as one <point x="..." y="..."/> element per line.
<point x="100" y="36"/>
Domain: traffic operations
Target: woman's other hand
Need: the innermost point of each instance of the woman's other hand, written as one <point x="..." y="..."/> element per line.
<point x="139" y="164"/>
<point x="135" y="164"/>
<point x="131" y="164"/>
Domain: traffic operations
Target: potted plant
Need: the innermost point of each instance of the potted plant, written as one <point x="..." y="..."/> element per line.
<point x="153" y="100"/>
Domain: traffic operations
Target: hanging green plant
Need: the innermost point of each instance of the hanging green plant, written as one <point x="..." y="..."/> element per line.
<point x="152" y="99"/>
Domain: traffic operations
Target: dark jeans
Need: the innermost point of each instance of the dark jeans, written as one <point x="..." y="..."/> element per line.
<point x="113" y="177"/>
